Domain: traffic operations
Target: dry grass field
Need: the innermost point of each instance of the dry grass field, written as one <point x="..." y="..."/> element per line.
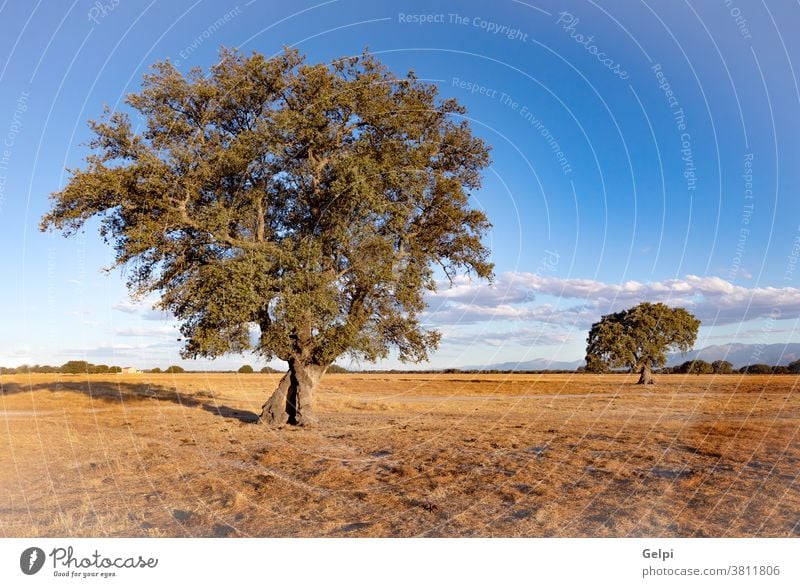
<point x="401" y="455"/>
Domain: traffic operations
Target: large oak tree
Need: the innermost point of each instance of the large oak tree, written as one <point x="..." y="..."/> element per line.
<point x="639" y="338"/>
<point x="296" y="210"/>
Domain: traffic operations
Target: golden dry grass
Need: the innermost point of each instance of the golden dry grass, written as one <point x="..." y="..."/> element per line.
<point x="401" y="455"/>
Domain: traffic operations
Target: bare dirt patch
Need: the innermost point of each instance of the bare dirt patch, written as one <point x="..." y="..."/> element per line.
<point x="401" y="455"/>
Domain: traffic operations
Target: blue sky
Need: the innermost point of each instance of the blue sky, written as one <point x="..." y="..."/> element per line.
<point x="641" y="151"/>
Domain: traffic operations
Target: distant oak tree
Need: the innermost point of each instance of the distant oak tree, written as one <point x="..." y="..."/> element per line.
<point x="294" y="210"/>
<point x="758" y="369"/>
<point x="640" y="338"/>
<point x="721" y="367"/>
<point x="695" y="367"/>
<point x="75" y="367"/>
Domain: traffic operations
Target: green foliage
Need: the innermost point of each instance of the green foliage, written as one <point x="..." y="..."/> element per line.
<point x="595" y="364"/>
<point x="696" y="367"/>
<point x="29" y="369"/>
<point x="309" y="201"/>
<point x="757" y="369"/>
<point x="246" y="369"/>
<point x="174" y="369"/>
<point x="337" y="369"/>
<point x="269" y="370"/>
<point x="640" y="338"/>
<point x="794" y="366"/>
<point x="115" y="369"/>
<point x="155" y="370"/>
<point x="75" y="367"/>
<point x="721" y="367"/>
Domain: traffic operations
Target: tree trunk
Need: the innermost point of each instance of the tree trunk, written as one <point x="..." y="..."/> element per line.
<point x="646" y="377"/>
<point x="291" y="402"/>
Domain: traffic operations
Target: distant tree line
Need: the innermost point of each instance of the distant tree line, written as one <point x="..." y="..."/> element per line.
<point x="454" y="371"/>
<point x="85" y="367"/>
<point x="70" y="367"/>
<point x="697" y="366"/>
<point x="700" y="367"/>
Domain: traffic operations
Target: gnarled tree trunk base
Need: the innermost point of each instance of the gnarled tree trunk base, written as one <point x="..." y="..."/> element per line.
<point x="646" y="377"/>
<point x="274" y="412"/>
<point x="291" y="402"/>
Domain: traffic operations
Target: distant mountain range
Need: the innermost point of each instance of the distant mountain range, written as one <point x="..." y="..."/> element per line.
<point x="737" y="353"/>
<point x="533" y="365"/>
<point x="742" y="354"/>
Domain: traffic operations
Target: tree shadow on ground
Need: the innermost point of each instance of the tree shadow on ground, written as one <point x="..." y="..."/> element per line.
<point x="244" y="416"/>
<point x="135" y="392"/>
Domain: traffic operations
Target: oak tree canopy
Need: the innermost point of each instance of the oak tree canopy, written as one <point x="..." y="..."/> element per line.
<point x="640" y="338"/>
<point x="290" y="209"/>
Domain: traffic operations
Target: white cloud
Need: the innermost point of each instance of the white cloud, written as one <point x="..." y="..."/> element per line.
<point x="15" y="357"/>
<point x="527" y="337"/>
<point x="712" y="299"/>
<point x="149" y="331"/>
<point x="144" y="309"/>
<point x="127" y="307"/>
